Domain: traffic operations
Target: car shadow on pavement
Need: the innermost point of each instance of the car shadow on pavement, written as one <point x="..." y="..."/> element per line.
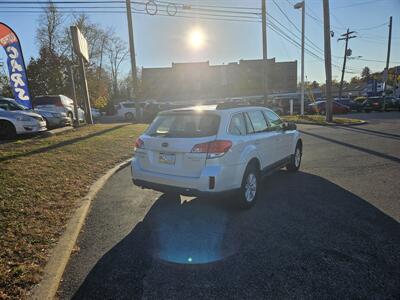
<point x="377" y="133"/>
<point x="355" y="147"/>
<point x="306" y="237"/>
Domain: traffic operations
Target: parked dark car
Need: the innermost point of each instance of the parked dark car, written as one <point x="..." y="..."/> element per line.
<point x="319" y="107"/>
<point x="353" y="105"/>
<point x="381" y="104"/>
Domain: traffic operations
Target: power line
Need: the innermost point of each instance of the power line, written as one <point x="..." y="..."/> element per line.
<point x="220" y="15"/>
<point x="294" y="25"/>
<point x="358" y="4"/>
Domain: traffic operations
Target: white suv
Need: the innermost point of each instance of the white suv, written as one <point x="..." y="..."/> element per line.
<point x="126" y="110"/>
<point x="208" y="150"/>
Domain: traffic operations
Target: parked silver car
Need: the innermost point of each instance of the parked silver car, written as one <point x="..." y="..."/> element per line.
<point x="53" y="119"/>
<point x="60" y="104"/>
<point x="19" y="122"/>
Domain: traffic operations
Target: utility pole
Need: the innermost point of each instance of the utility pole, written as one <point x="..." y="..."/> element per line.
<point x="302" y="5"/>
<point x="264" y="28"/>
<point x="328" y="61"/>
<point x="133" y="60"/>
<point x="264" y="40"/>
<point x="386" y="72"/>
<point x="346" y="37"/>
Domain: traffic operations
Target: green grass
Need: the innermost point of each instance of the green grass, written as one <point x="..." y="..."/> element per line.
<point x="320" y="120"/>
<point x="41" y="182"/>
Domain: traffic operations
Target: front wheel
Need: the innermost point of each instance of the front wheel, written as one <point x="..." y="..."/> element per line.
<point x="7" y="130"/>
<point x="250" y="186"/>
<point x="295" y="160"/>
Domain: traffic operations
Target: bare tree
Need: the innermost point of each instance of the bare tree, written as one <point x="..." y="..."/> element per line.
<point x="50" y="25"/>
<point x="117" y="52"/>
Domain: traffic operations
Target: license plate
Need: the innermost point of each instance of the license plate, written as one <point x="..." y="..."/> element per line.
<point x="167" y="158"/>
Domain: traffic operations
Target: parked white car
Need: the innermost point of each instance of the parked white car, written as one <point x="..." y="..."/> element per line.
<point x="205" y="151"/>
<point x="19" y="122"/>
<point x="58" y="103"/>
<point x="95" y="113"/>
<point x="126" y="110"/>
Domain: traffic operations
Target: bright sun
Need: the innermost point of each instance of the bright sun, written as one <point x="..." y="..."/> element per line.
<point x="196" y="38"/>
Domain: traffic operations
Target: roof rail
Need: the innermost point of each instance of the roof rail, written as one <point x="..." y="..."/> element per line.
<point x="228" y="105"/>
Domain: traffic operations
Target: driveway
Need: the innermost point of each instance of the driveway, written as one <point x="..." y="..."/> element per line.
<point x="330" y="230"/>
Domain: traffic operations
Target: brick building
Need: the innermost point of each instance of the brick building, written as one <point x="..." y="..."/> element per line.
<point x="200" y="80"/>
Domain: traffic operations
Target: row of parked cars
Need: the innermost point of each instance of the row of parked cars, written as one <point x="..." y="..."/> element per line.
<point x="360" y="104"/>
<point x="49" y="112"/>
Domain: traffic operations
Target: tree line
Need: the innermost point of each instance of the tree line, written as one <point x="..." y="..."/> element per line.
<point x="50" y="73"/>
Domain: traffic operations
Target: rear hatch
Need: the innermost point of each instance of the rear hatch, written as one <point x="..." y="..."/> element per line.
<point x="168" y="143"/>
<point x="49" y="103"/>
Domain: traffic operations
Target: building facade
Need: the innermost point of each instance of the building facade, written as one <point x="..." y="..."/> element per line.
<point x="191" y="81"/>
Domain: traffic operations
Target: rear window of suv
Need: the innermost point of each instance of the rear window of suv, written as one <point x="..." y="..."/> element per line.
<point x="46" y="100"/>
<point x="184" y="125"/>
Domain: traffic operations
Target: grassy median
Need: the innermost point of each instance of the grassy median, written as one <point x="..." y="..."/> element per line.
<point x="41" y="182"/>
<point x="320" y="120"/>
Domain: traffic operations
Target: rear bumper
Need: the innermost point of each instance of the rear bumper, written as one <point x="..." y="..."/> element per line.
<point x="57" y="122"/>
<point x="182" y="191"/>
<point x="225" y="180"/>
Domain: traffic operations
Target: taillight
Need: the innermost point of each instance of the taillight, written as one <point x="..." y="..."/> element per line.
<point x="213" y="149"/>
<point x="139" y="143"/>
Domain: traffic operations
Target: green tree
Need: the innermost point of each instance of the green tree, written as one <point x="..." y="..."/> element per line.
<point x="5" y="88"/>
<point x="48" y="74"/>
<point x="366" y="74"/>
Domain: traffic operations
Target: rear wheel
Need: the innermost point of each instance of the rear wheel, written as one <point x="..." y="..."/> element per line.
<point x="250" y="186"/>
<point x="295" y="160"/>
<point x="70" y="116"/>
<point x="129" y="116"/>
<point x="7" y="130"/>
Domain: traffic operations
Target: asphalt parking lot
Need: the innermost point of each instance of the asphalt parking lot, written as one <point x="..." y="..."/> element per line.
<point x="328" y="231"/>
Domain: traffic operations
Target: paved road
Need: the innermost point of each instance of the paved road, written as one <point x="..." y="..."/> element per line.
<point x="330" y="230"/>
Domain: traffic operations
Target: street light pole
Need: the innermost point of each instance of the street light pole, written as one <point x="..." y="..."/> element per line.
<point x="302" y="6"/>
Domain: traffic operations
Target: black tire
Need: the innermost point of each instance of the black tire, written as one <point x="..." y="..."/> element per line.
<point x="295" y="160"/>
<point x="129" y="116"/>
<point x="47" y="123"/>
<point x="71" y="116"/>
<point x="7" y="130"/>
<point x="246" y="197"/>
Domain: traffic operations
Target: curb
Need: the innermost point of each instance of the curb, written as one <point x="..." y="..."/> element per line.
<point x="54" y="269"/>
<point x="56" y="131"/>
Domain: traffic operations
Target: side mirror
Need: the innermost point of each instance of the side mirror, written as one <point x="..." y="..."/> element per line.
<point x="289" y="126"/>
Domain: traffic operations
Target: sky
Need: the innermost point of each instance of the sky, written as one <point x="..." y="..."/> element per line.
<point x="161" y="40"/>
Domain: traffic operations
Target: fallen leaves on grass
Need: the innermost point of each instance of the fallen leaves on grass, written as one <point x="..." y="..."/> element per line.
<point x="41" y="182"/>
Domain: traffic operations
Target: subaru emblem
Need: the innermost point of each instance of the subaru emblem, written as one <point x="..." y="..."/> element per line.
<point x="164" y="144"/>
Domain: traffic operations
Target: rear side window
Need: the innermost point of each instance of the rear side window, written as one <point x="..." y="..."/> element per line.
<point x="273" y="118"/>
<point x="129" y="105"/>
<point x="47" y="100"/>
<point x="258" y="120"/>
<point x="184" y="125"/>
<point x="237" y="125"/>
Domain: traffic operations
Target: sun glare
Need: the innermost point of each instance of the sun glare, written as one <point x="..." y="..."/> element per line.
<point x="196" y="39"/>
